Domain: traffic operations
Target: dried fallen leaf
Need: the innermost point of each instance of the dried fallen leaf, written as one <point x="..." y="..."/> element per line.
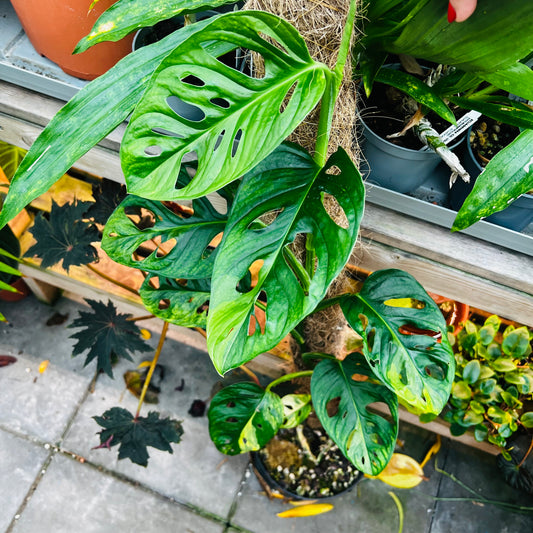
<point x="300" y="503"/>
<point x="432" y="451"/>
<point x="43" y="366"/>
<point x="402" y="472"/>
<point x="6" y="360"/>
<point x="306" y="510"/>
<point x="145" y="334"/>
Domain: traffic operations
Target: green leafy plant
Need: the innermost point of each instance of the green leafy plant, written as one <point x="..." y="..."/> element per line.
<point x="493" y="383"/>
<point x="479" y="63"/>
<point x="280" y="248"/>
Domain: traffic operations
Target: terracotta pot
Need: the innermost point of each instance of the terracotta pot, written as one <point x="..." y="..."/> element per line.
<point x="8" y="296"/>
<point x="55" y="27"/>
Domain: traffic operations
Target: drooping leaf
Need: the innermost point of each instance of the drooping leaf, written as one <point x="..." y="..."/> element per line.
<point x="230" y="138"/>
<point x="416" y="89"/>
<point x="341" y="400"/>
<point x="296" y="408"/>
<point x="182" y="303"/>
<point x="86" y="119"/>
<point x="65" y="236"/>
<point x="243" y="417"/>
<point x="133" y="435"/>
<point x="417" y="367"/>
<point x="125" y="16"/>
<point x="107" y="196"/>
<point x="107" y="335"/>
<point x="402" y="472"/>
<point x="516" y="78"/>
<point x="290" y="186"/>
<point x="188" y="253"/>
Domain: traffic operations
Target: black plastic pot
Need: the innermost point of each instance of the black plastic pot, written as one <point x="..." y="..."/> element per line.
<point x="262" y="472"/>
<point x="516" y="216"/>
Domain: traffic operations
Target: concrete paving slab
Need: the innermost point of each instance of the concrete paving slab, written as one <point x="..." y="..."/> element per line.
<point x="10" y="27"/>
<point x="196" y="474"/>
<point x="74" y="497"/>
<point x="20" y="464"/>
<point x="479" y="471"/>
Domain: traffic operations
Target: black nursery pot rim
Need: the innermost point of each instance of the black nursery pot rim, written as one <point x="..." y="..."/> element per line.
<point x="261" y="471"/>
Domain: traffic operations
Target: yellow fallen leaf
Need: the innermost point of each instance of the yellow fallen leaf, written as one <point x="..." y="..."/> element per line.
<point x="144" y="364"/>
<point x="43" y="366"/>
<point x="306" y="510"/>
<point x="432" y="451"/>
<point x="402" y="472"/>
<point x="145" y="334"/>
<point x="299" y="503"/>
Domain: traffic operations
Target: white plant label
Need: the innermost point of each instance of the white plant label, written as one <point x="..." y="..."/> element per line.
<point x="451" y="133"/>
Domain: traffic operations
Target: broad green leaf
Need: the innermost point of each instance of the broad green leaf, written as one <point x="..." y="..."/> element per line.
<point x="517" y="78"/>
<point x="486" y="372"/>
<point x="416" y="89"/>
<point x="187" y="255"/>
<point x="487" y="333"/>
<point x="243" y="417"/>
<point x="342" y="392"/>
<point x="133" y="435"/>
<point x="244" y="118"/>
<point x="290" y="186"/>
<point x="477" y="407"/>
<point x="498" y="415"/>
<point x="126" y="16"/>
<point x="511" y="400"/>
<point x="182" y="304"/>
<point x="527" y="420"/>
<point x="506" y="111"/>
<point x="516" y="342"/>
<point x="461" y="390"/>
<point x="481" y="432"/>
<point x="487" y="386"/>
<point x="504" y="364"/>
<point x="417" y="367"/>
<point x="472" y="418"/>
<point x="369" y="66"/>
<point x="91" y="114"/>
<point x="472" y="371"/>
<point x="491" y="39"/>
<point x="508" y="175"/>
<point x="296" y="408"/>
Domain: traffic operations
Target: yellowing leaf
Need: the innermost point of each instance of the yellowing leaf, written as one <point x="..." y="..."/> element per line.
<point x="432" y="451"/>
<point x="144" y="364"/>
<point x="43" y="366"/>
<point x="306" y="510"/>
<point x="402" y="472"/>
<point x="300" y="503"/>
<point x="145" y="334"/>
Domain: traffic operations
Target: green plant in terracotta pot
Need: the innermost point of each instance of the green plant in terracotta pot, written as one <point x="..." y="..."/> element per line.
<point x="280" y="249"/>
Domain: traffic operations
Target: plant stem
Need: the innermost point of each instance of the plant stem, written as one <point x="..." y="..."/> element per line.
<point x="139" y="318"/>
<point x="332" y="89"/>
<point x="152" y="367"/>
<point x="526" y="455"/>
<point x="250" y="374"/>
<point x="297" y="337"/>
<point x="299" y="271"/>
<point x="304" y="444"/>
<point x="109" y="278"/>
<point x="289" y="377"/>
<point x="328" y="302"/>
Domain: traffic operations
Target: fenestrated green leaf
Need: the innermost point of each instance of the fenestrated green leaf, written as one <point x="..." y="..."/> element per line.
<point x="244" y="118"/>
<point x="107" y="335"/>
<point x="505" y="110"/>
<point x="243" y="417"/>
<point x="190" y="256"/>
<point x="507" y="175"/>
<point x="125" y="16"/>
<point x="417" y="367"/>
<point x="133" y="435"/>
<point x="290" y="185"/>
<point x="416" y="89"/>
<point x="86" y="119"/>
<point x="64" y="237"/>
<point x="182" y="304"/>
<point x="296" y="408"/>
<point x="342" y="392"/>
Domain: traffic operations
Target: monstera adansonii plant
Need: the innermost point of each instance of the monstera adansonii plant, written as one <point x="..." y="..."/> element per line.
<point x="275" y="193"/>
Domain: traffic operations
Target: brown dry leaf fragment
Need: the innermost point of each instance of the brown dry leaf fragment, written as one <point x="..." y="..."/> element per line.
<point x="56" y="319"/>
<point x="6" y="360"/>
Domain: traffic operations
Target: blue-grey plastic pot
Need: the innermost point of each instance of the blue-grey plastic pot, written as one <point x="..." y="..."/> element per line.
<point x="395" y="167"/>
<point x="517" y="216"/>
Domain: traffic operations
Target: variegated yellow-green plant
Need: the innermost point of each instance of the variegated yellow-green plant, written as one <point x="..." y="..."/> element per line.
<point x="237" y="148"/>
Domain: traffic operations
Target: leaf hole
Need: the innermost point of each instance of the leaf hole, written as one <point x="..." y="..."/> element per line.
<point x="435" y="371"/>
<point x="219" y="140"/>
<point x="287" y="98"/>
<point x="335" y="210"/>
<point x="185" y="110"/>
<point x="220" y="102"/>
<point x="379" y="407"/>
<point x="153" y="150"/>
<point x="167" y="133"/>
<point x="259" y="426"/>
<point x="236" y="140"/>
<point x="141" y="218"/>
<point x="231" y="420"/>
<point x="265" y="220"/>
<point x="164" y="304"/>
<point x="187" y="158"/>
<point x="332" y="407"/>
<point x="191" y="79"/>
<point x="273" y="42"/>
<point x="333" y="170"/>
<point x="370" y="337"/>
